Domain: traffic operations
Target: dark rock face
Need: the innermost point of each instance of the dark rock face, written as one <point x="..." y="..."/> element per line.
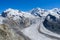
<point x="35" y="12"/>
<point x="52" y="17"/>
<point x="52" y="25"/>
<point x="4" y="14"/>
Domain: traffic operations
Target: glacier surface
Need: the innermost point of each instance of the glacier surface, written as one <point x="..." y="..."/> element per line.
<point x="36" y="24"/>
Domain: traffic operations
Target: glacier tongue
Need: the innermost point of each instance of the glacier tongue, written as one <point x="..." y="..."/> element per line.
<point x="33" y="33"/>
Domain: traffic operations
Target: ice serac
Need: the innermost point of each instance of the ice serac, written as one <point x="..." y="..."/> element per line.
<point x="36" y="24"/>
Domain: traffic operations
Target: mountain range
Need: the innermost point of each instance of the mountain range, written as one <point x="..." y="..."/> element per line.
<point x="36" y="24"/>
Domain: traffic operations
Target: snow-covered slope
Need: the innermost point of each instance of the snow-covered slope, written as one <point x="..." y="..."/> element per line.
<point x="36" y="24"/>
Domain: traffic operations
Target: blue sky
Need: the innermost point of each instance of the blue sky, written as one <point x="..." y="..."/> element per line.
<point x="26" y="5"/>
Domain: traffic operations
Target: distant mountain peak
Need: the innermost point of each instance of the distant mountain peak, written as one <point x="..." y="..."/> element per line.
<point x="10" y="9"/>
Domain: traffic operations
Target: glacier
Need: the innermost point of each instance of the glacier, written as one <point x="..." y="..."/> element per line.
<point x="36" y="24"/>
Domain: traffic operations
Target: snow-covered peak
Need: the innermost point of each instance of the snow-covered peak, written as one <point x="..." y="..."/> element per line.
<point x="10" y="12"/>
<point x="10" y="9"/>
<point x="55" y="9"/>
<point x="55" y="12"/>
<point x="39" y="12"/>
